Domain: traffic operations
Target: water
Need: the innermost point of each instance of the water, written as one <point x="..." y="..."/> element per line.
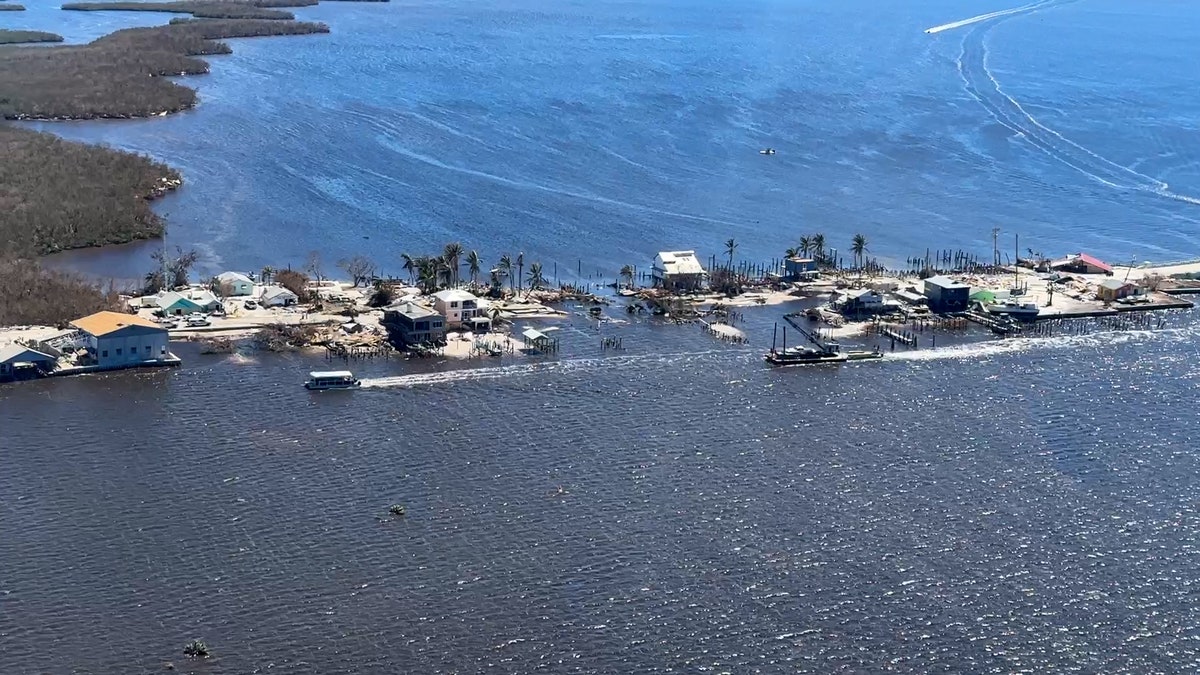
<point x="679" y="506"/>
<point x="590" y="135"/>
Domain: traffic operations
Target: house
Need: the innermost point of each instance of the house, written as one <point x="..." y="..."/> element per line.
<point x="1081" y="263"/>
<point x="238" y="284"/>
<point x="1115" y="289"/>
<point x="457" y="306"/>
<point x="410" y="324"/>
<point x="946" y="295"/>
<point x="18" y="362"/>
<point x="115" y="340"/>
<point x="861" y="301"/>
<point x="174" y="303"/>
<point x="177" y="304"/>
<point x="678" y="271"/>
<point x="277" y="296"/>
<point x="799" y="269"/>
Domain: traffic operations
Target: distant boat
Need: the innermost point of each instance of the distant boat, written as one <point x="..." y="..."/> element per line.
<point x="331" y="379"/>
<point x="767" y="151"/>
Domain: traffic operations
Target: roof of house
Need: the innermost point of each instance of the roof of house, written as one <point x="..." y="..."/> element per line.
<point x="275" y="292"/>
<point x="171" y="297"/>
<point x="412" y="310"/>
<point x="15" y="352"/>
<point x="945" y="282"/>
<point x="204" y="297"/>
<point x="1081" y="258"/>
<point x="680" y="262"/>
<point x="234" y="277"/>
<point x="1095" y="262"/>
<point x="1114" y="284"/>
<point x="798" y="259"/>
<point x="861" y="292"/>
<point x="103" y="323"/>
<point x="454" y="295"/>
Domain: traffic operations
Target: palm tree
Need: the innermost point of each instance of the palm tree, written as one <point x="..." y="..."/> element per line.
<point x="266" y="274"/>
<point x="627" y="275"/>
<point x="818" y="246"/>
<point x="506" y="266"/>
<point x="790" y="253"/>
<point x="473" y="266"/>
<point x="452" y="253"/>
<point x="805" y="246"/>
<point x="520" y="269"/>
<point x="858" y="248"/>
<point x="730" y="247"/>
<point x="535" y="276"/>
<point x="410" y="265"/>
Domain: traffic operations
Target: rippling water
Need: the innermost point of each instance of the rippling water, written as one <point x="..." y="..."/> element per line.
<point x="680" y="506"/>
<point x="593" y="134"/>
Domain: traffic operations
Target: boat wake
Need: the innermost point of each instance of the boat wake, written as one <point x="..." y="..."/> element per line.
<point x="982" y="17"/>
<point x="981" y="83"/>
<point x="532" y="369"/>
<point x="1018" y="345"/>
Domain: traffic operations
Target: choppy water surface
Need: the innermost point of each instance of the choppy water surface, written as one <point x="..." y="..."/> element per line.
<point x="677" y="507"/>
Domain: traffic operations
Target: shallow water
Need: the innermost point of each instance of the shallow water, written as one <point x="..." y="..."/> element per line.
<point x="590" y="135"/>
<point x="678" y="506"/>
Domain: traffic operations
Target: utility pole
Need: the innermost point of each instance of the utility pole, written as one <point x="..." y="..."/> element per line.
<point x="996" y="246"/>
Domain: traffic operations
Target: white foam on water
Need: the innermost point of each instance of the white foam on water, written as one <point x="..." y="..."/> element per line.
<point x="982" y="84"/>
<point x="1032" y="344"/>
<point x="982" y="17"/>
<point x="530" y="369"/>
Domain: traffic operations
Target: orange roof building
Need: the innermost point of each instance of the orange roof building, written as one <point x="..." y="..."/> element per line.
<point x="104" y="323"/>
<point x="116" y="340"/>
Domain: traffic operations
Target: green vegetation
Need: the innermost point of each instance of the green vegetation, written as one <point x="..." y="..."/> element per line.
<point x="56" y="194"/>
<point x="34" y="296"/>
<point x="119" y="75"/>
<point x="220" y="9"/>
<point x="12" y="37"/>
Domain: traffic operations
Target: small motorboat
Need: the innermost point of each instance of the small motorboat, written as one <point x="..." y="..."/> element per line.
<point x="331" y="379"/>
<point x="767" y="151"/>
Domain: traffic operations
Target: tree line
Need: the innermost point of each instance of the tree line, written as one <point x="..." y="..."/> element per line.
<point x="57" y="194"/>
<point x="122" y="75"/>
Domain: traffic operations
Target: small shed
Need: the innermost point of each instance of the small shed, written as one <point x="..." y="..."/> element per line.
<point x="1115" y="289"/>
<point x="537" y="341"/>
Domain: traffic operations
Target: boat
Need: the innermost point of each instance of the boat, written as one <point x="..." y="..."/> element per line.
<point x="331" y="379"/>
<point x="821" y="352"/>
<point x="767" y="151"/>
<point x="1015" y="309"/>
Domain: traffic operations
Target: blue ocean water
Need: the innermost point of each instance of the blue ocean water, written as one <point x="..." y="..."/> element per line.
<point x="592" y="134"/>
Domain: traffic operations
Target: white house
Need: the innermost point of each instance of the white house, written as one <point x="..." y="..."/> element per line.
<point x="239" y="284"/>
<point x="115" y="340"/>
<point x="277" y="296"/>
<point x="678" y="271"/>
<point x="457" y="306"/>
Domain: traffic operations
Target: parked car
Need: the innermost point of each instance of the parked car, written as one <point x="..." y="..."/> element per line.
<point x="250" y="304"/>
<point x="197" y="321"/>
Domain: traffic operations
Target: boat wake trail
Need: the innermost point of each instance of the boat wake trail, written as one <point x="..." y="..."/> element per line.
<point x="531" y="369"/>
<point x="974" y="352"/>
<point x="982" y="17"/>
<point x="981" y="83"/>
